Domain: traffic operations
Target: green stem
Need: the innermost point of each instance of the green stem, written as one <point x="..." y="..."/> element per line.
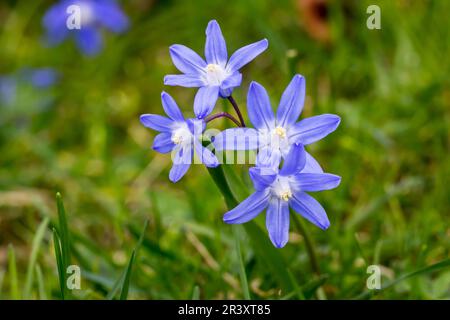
<point x="310" y="248"/>
<point x="221" y="182"/>
<point x="242" y="273"/>
<point x="219" y="179"/>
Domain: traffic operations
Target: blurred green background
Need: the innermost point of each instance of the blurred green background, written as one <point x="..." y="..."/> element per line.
<point x="82" y="137"/>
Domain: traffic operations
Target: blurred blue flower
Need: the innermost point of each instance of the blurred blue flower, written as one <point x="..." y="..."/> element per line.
<point x="218" y="75"/>
<point x="8" y="87"/>
<point x="41" y="77"/>
<point x="94" y="14"/>
<point x="273" y="135"/>
<point x="279" y="190"/>
<point x="179" y="136"/>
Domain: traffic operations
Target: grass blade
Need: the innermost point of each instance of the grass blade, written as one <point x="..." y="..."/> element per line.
<point x="12" y="269"/>
<point x="428" y="269"/>
<point x="59" y="263"/>
<point x="63" y="231"/>
<point x="37" y="241"/>
<point x="40" y="281"/>
<point x="242" y="274"/>
<point x="123" y="282"/>
<point x="126" y="280"/>
<point x="196" y="293"/>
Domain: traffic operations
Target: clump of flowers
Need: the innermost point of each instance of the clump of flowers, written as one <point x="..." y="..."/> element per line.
<point x="284" y="172"/>
<point x="83" y="21"/>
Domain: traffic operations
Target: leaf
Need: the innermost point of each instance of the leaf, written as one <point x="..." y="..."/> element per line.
<point x="40" y="281"/>
<point x="37" y="241"/>
<point x="64" y="231"/>
<point x="124" y="280"/>
<point x="261" y="245"/>
<point x="59" y="262"/>
<point x="12" y="269"/>
<point x="242" y="274"/>
<point x="428" y="269"/>
<point x="196" y="293"/>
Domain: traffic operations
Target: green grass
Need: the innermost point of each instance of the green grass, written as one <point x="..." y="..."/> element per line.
<point x="390" y="87"/>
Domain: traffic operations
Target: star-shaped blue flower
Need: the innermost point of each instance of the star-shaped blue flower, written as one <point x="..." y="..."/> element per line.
<point x="277" y="191"/>
<point x="273" y="135"/>
<point x="217" y="76"/>
<point x="94" y="15"/>
<point x="179" y="136"/>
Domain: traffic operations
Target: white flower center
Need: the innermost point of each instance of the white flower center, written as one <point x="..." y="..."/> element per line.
<point x="280" y="131"/>
<point x="215" y="74"/>
<point x="182" y="135"/>
<point x="281" y="188"/>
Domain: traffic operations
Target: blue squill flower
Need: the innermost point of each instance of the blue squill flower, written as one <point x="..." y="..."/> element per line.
<point x="277" y="191"/>
<point x="273" y="135"/>
<point x="179" y="136"/>
<point x="94" y="15"/>
<point x="8" y="88"/>
<point x="218" y="75"/>
<point x="40" y="78"/>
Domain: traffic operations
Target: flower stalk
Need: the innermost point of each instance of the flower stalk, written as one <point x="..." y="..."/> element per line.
<point x="238" y="111"/>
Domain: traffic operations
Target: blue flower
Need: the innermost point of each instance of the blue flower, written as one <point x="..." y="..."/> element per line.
<point x="277" y="191"/>
<point x="218" y="75"/>
<point x="179" y="136"/>
<point x="273" y="135"/>
<point x="94" y="14"/>
<point x="8" y="88"/>
<point x="40" y="78"/>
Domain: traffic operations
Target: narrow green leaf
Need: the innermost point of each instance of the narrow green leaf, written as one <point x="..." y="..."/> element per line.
<point x="40" y="281"/>
<point x="261" y="244"/>
<point x="428" y="269"/>
<point x="59" y="263"/>
<point x="12" y="269"/>
<point x="37" y="241"/>
<point x="126" y="280"/>
<point x="123" y="282"/>
<point x="196" y="293"/>
<point x="242" y="273"/>
<point x="64" y="231"/>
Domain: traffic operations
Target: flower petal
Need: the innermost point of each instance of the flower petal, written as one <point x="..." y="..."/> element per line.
<point x="170" y="107"/>
<point x="206" y="156"/>
<point x="277" y="222"/>
<point x="268" y="158"/>
<point x="311" y="165"/>
<point x="311" y="129"/>
<point x="181" y="163"/>
<point x="291" y="103"/>
<point x="226" y="88"/>
<point x="54" y="22"/>
<point x="163" y="143"/>
<point x="310" y="209"/>
<point x="246" y="54"/>
<point x="232" y="81"/>
<point x="236" y="139"/>
<point x="88" y="40"/>
<point x="248" y="209"/>
<point x="186" y="60"/>
<point x="259" y="108"/>
<point x="110" y="15"/>
<point x="215" y="47"/>
<point x="156" y="122"/>
<point x="262" y="177"/>
<point x="316" y="181"/>
<point x="184" y="80"/>
<point x="294" y="161"/>
<point x="205" y="100"/>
